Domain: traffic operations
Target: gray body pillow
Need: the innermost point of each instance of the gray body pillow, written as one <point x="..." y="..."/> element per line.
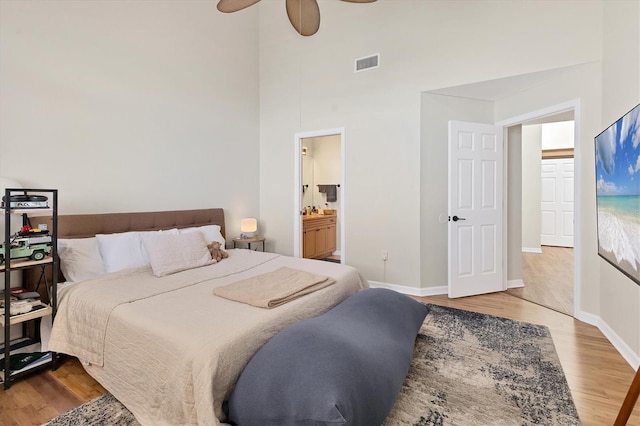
<point x="346" y="366"/>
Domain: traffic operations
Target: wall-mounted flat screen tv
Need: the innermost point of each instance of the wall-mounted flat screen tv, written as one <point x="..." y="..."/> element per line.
<point x="618" y="193"/>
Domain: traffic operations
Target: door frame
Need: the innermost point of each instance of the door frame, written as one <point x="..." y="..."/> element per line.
<point x="297" y="187"/>
<point x="577" y="183"/>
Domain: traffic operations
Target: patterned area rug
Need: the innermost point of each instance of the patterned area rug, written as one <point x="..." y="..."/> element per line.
<point x="475" y="369"/>
<point x="467" y="369"/>
<point x="102" y="411"/>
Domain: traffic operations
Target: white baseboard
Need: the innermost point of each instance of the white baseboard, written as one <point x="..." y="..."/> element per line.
<point x="411" y="291"/>
<point x="623" y="349"/>
<point x="429" y="291"/>
<point x="587" y="317"/>
<point x="515" y="283"/>
<point x="531" y="250"/>
<point x="337" y="253"/>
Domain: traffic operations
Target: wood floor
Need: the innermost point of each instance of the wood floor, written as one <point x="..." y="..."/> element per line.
<point x="548" y="278"/>
<point x="597" y="375"/>
<point x="43" y="396"/>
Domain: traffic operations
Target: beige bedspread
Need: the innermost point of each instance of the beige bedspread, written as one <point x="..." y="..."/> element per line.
<point x="167" y="347"/>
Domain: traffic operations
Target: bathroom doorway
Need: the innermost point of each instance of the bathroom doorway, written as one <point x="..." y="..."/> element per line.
<point x="319" y="196"/>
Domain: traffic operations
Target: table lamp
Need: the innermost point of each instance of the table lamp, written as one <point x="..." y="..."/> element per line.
<point x="248" y="227"/>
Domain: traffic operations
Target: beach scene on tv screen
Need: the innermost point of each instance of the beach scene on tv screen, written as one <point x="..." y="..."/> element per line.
<point x="618" y="193"/>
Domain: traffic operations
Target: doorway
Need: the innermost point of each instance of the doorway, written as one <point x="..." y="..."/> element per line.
<point x="476" y="102"/>
<point x="319" y="195"/>
<point x="549" y="188"/>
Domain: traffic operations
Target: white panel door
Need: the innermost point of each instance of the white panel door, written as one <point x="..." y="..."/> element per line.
<point x="475" y="209"/>
<point x="556" y="206"/>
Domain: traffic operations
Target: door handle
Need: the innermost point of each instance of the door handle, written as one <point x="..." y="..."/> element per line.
<point x="456" y="218"/>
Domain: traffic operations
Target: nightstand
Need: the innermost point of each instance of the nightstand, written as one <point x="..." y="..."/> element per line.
<point x="249" y="241"/>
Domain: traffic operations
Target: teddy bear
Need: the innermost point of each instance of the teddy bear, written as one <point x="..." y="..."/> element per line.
<point x="217" y="253"/>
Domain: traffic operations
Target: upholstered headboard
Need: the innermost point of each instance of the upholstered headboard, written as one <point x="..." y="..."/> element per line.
<point x="88" y="225"/>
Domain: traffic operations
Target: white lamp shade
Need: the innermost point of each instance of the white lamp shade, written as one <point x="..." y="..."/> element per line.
<point x="248" y="225"/>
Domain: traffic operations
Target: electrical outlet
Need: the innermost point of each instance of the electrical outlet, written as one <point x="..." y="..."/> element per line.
<point x="384" y="255"/>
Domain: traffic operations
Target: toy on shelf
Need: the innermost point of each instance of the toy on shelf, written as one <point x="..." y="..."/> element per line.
<point x="32" y="243"/>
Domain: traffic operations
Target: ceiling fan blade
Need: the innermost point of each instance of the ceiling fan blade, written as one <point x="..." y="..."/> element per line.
<point x="304" y="15"/>
<point x="359" y="1"/>
<point x="228" y="6"/>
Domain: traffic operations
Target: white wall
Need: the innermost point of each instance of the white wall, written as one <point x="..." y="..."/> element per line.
<point x="436" y="111"/>
<point x="327" y="168"/>
<point x="557" y="135"/>
<point x="324" y="153"/>
<point x="307" y="172"/>
<point x="531" y="173"/>
<point x="308" y="84"/>
<point x="131" y="106"/>
<point x="514" y="197"/>
<point x="619" y="296"/>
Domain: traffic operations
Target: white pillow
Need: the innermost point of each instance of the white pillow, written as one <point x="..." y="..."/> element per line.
<point x="125" y="249"/>
<point x="80" y="259"/>
<point x="172" y="231"/>
<point x="210" y="233"/>
<point x="121" y="251"/>
<point x="170" y="253"/>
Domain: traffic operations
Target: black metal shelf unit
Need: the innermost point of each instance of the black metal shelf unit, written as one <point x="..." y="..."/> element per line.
<point x="39" y="311"/>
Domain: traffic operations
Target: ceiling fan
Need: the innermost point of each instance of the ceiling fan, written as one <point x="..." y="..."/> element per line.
<point x="304" y="15"/>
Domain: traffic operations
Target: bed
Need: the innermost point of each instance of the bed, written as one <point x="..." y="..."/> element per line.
<point x="167" y="347"/>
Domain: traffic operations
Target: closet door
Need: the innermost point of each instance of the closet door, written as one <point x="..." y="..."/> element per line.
<point x="556" y="202"/>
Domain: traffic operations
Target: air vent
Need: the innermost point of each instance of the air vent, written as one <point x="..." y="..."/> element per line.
<point x="368" y="63"/>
